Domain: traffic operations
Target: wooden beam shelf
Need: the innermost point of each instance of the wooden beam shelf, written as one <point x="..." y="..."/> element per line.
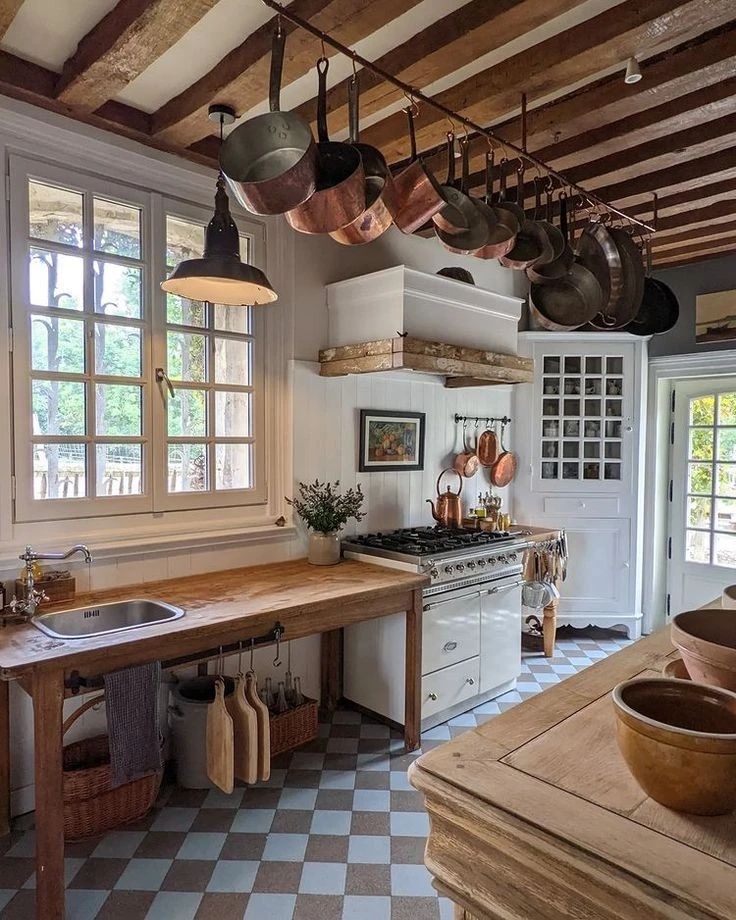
<point x="461" y="367"/>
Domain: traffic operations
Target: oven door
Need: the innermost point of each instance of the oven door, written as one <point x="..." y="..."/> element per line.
<point x="451" y="628"/>
<point x="500" y="634"/>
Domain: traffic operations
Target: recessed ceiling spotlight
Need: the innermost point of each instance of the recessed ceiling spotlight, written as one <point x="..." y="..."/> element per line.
<point x="633" y="73"/>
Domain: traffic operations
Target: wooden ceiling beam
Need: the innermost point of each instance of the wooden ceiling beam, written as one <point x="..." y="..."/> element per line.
<point x="240" y="79"/>
<point x="452" y="42"/>
<point x="580" y="53"/>
<point x="8" y="9"/>
<point x="694" y="253"/>
<point x="122" y="45"/>
<point x="696" y="234"/>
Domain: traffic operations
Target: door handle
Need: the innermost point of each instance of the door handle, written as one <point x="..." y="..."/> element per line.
<point x="433" y="697"/>
<point x="163" y="377"/>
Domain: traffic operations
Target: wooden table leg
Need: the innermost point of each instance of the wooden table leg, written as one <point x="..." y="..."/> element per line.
<point x="331" y="655"/>
<point x="549" y="629"/>
<point x="48" y="702"/>
<point x="4" y="758"/>
<point x="413" y="674"/>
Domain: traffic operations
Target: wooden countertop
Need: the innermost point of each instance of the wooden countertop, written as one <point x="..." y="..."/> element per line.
<point x="228" y="606"/>
<point x="535" y="814"/>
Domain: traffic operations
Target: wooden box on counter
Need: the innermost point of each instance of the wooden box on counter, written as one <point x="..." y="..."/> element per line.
<point x="56" y="589"/>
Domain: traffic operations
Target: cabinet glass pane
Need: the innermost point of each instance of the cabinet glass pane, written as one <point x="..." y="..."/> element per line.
<point x="591" y="471"/>
<point x="550" y="449"/>
<point x="592" y="407"/>
<point x="611" y="470"/>
<point x="613" y="450"/>
<point x="613" y="408"/>
<point x="614" y="386"/>
<point x="593" y="365"/>
<point x="550" y="407"/>
<point x="570" y="449"/>
<point x="550" y="429"/>
<point x="549" y="470"/>
<point x="593" y="386"/>
<point x="571" y="406"/>
<point x="592" y="429"/>
<point x="571" y="429"/>
<point x="551" y="386"/>
<point x="551" y="365"/>
<point x="571" y="471"/>
<point x="614" y="365"/>
<point x="613" y="429"/>
<point x="572" y="386"/>
<point x="593" y="449"/>
<point x="573" y="365"/>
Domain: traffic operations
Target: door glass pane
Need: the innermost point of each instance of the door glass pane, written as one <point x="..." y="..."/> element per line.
<point x="119" y="469"/>
<point x="118" y="410"/>
<point x="726" y="443"/>
<point x="697" y="546"/>
<point x="611" y="470"/>
<point x="551" y="365"/>
<point x="570" y="471"/>
<point x="572" y="365"/>
<point x="550" y="449"/>
<point x="571" y="429"/>
<point x="615" y="365"/>
<point x="180" y="311"/>
<point x="702" y="410"/>
<point x="701" y="443"/>
<point x="117" y="350"/>
<point x="57" y="344"/>
<point x="698" y="512"/>
<point x="117" y="228"/>
<point x="59" y="408"/>
<point x="570" y="449"/>
<point x="187" y="356"/>
<point x="184" y="240"/>
<point x="549" y="470"/>
<point x="56" y="280"/>
<point x="59" y="471"/>
<point x="551" y="386"/>
<point x="725" y="549"/>
<point x="700" y="478"/>
<point x="232" y="361"/>
<point x="187" y="414"/>
<point x="187" y="468"/>
<point x="726" y="479"/>
<point x="233" y="466"/>
<point x="726" y="514"/>
<point x="591" y="471"/>
<point x="727" y="409"/>
<point x="54" y="213"/>
<point x="117" y="289"/>
<point x="550" y="407"/>
<point x="233" y="319"/>
<point x="232" y="415"/>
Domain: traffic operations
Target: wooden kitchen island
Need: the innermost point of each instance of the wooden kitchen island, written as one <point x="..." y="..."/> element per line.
<point x="534" y="815"/>
<point x="222" y="610"/>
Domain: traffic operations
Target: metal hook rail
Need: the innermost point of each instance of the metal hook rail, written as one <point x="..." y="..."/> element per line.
<point x="488" y="419"/>
<point x="416" y="94"/>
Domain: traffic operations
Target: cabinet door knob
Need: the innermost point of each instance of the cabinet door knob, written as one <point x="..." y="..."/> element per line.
<point x="470" y="681"/>
<point x="449" y="646"/>
<point x="433" y="697"/>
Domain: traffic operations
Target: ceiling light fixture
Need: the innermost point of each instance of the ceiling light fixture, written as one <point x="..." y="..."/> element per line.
<point x="633" y="73"/>
<point x="220" y="276"/>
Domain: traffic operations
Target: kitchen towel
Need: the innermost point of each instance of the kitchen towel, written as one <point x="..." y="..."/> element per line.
<point x="132" y="722"/>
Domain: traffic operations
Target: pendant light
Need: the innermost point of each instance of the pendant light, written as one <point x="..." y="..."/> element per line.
<point x="220" y="276"/>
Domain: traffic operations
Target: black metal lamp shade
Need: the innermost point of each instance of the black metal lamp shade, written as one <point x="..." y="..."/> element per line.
<point x="220" y="276"/>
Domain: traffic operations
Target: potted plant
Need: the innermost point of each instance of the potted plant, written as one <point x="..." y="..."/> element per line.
<point x="324" y="510"/>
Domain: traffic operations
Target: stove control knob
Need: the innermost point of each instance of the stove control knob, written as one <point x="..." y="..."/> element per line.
<point x="449" y="569"/>
<point x="481" y="563"/>
<point x="434" y="573"/>
<point x="491" y="561"/>
<point x="502" y="559"/>
<point x="460" y="567"/>
<point x="471" y="565"/>
<point x="513" y="557"/>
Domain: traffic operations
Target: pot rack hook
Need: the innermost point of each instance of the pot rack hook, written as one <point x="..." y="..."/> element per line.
<point x="277" y="659"/>
<point x="655" y="210"/>
<point x="252" y="649"/>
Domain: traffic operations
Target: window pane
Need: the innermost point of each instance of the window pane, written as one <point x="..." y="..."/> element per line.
<point x="236" y="319"/>
<point x="117" y="228"/>
<point x="118" y="410"/>
<point x="187" y="356"/>
<point x="184" y="240"/>
<point x="233" y="361"/>
<point x="697" y="546"/>
<point x="187" y="414"/>
<point x="726" y="514"/>
<point x="187" y="468"/>
<point x="183" y="312"/>
<point x="702" y="410"/>
<point x="698" y="512"/>
<point x="700" y="478"/>
<point x="725" y="549"/>
<point x="232" y="416"/>
<point x="234" y="464"/>
<point x="727" y="409"/>
<point x="726" y="473"/>
<point x="701" y="443"/>
<point x="58" y="408"/>
<point x="59" y="471"/>
<point x="56" y="280"/>
<point x="119" y="469"/>
<point x="117" y="350"/>
<point x="54" y="213"/>
<point x="57" y="344"/>
<point x="727" y="443"/>
<point x="117" y="289"/>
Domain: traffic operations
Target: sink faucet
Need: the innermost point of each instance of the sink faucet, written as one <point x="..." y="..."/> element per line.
<point x="27" y="606"/>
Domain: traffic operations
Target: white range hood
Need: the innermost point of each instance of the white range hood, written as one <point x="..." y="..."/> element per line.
<point x="433" y="308"/>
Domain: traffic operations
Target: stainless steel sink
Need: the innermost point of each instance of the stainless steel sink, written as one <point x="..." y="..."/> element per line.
<point x="83" y="622"/>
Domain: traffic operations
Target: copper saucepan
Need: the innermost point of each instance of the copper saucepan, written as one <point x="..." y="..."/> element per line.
<point x="418" y="196"/>
<point x="487" y="447"/>
<point x="504" y="469"/>
<point x="466" y="462"/>
<point x="502" y="236"/>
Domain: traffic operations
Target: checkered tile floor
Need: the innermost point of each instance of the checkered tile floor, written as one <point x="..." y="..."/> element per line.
<point x="337" y="832"/>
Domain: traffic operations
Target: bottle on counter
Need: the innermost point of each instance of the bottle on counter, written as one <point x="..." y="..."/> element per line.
<point x="298" y="699"/>
<point x="281" y="703"/>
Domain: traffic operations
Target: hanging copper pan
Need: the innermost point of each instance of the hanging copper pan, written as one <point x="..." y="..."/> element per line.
<point x="504" y="469"/>
<point x="379" y="187"/>
<point x="418" y="196"/>
<point x="502" y="236"/>
<point x="477" y="232"/>
<point x="340" y="195"/>
<point x="532" y="244"/>
<point x="487" y="447"/>
<point x="457" y="212"/>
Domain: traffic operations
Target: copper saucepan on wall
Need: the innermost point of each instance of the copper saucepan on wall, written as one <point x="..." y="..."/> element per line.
<point x="466" y="463"/>
<point x="504" y="469"/>
<point x="487" y="447"/>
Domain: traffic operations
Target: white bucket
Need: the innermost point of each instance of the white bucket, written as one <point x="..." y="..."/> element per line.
<point x="188" y="711"/>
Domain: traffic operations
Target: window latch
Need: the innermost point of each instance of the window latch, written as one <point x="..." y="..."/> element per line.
<point x="163" y="377"/>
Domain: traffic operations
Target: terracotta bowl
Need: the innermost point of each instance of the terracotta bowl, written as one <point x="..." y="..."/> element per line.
<point x="678" y="738"/>
<point x="706" y="640"/>
<point x="676" y="668"/>
<point x="728" y="597"/>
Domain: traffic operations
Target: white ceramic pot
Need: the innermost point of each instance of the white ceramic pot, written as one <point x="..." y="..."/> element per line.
<point x="324" y="548"/>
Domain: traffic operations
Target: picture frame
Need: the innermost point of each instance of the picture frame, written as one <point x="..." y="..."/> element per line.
<point x="391" y="441"/>
<point x="715" y="317"/>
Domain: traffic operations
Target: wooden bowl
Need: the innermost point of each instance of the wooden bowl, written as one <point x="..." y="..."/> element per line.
<point x="678" y="738"/>
<point x="728" y="597"/>
<point x="706" y="640"/>
<point x="675" y="668"/>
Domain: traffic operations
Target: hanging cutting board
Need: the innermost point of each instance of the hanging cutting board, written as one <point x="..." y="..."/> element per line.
<point x="220" y="741"/>
<point x="264" y="726"/>
<point x="245" y="733"/>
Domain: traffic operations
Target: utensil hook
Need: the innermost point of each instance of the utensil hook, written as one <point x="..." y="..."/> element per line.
<point x="277" y="659"/>
<point x="252" y="649"/>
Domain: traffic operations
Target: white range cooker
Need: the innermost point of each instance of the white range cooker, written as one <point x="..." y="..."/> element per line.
<point x="471" y="644"/>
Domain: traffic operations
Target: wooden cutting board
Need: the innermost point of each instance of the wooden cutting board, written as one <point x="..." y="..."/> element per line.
<point x="264" y="726"/>
<point x="220" y="761"/>
<point x="245" y="733"/>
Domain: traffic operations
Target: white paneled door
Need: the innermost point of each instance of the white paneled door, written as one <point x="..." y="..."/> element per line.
<point x="702" y="539"/>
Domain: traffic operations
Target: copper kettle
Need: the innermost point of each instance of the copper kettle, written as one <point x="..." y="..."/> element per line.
<point x="449" y="509"/>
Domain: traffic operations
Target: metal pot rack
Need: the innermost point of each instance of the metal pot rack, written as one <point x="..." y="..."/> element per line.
<point x="414" y="95"/>
<point x="488" y="419"/>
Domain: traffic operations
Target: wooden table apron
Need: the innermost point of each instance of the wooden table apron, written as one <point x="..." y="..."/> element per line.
<point x="347" y="594"/>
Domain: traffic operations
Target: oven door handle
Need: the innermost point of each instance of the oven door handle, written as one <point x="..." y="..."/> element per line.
<point x="451" y="600"/>
<point x="498" y="588"/>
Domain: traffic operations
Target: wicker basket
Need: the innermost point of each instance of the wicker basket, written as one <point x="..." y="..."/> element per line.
<point x="292" y="728"/>
<point x="91" y="807"/>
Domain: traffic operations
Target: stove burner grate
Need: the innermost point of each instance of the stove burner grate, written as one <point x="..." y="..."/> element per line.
<point x="421" y="541"/>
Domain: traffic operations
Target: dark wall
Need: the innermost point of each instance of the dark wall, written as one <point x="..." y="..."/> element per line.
<point x="687" y="281"/>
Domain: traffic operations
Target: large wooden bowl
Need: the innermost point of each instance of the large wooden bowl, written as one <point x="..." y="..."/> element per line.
<point x="706" y="640"/>
<point x="678" y="738"/>
<point x="728" y="597"/>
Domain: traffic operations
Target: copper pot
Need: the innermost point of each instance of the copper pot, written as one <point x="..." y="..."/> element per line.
<point x="417" y="194"/>
<point x="487" y="447"/>
<point x="449" y="510"/>
<point x="466" y="462"/>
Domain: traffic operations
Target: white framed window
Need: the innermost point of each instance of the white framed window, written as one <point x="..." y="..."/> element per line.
<point x="95" y="432"/>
